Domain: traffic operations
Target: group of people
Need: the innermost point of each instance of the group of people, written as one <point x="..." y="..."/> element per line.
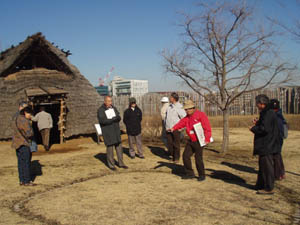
<point x="269" y="132"/>
<point x="24" y="138"/>
<point x="175" y="118"/>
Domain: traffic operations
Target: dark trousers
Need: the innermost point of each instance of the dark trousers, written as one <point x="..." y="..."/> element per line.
<point x="110" y="155"/>
<point x="173" y="139"/>
<point x="138" y="141"/>
<point x="279" y="170"/>
<point x="265" y="178"/>
<point x="190" y="149"/>
<point x="24" y="161"/>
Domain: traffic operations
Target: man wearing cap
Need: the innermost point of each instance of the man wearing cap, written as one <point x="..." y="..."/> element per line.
<point x="22" y="105"/>
<point x="163" y="111"/>
<point x="279" y="171"/>
<point x="132" y="119"/>
<point x="175" y="112"/>
<point x="193" y="146"/>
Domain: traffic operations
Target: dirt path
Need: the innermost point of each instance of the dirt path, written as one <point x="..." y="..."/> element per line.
<point x="75" y="187"/>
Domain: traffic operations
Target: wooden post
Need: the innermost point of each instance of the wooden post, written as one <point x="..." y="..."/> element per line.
<point x="62" y="120"/>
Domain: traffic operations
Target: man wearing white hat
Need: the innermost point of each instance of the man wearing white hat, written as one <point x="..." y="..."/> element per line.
<point x="163" y="112"/>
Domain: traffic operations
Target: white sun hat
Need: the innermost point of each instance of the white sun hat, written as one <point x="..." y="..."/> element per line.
<point x="165" y="99"/>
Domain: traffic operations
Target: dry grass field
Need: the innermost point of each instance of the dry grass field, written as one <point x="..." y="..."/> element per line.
<point x="76" y="187"/>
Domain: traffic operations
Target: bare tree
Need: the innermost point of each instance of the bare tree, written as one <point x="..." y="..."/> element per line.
<point x="224" y="54"/>
<point x="293" y="27"/>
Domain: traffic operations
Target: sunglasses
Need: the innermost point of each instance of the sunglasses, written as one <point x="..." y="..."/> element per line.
<point x="189" y="108"/>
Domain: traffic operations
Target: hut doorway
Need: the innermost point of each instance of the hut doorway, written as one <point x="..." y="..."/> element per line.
<point x="53" y="100"/>
<point x="54" y="110"/>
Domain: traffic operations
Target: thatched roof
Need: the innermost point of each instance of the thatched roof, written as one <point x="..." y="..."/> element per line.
<point x="34" y="50"/>
<point x="36" y="65"/>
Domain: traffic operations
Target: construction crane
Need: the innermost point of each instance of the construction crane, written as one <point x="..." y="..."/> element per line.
<point x="102" y="81"/>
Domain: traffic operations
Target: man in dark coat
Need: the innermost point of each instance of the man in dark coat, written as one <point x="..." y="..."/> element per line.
<point x="132" y="119"/>
<point x="266" y="143"/>
<point x="278" y="162"/>
<point x="109" y="119"/>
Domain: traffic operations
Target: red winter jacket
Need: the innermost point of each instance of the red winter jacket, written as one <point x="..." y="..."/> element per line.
<point x="189" y="121"/>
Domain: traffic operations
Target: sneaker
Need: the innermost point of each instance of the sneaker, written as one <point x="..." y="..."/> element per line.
<point x="264" y="192"/>
<point x="124" y="167"/>
<point x="141" y="157"/>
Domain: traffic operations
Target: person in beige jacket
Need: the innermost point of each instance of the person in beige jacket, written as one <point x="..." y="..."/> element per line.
<point x="44" y="123"/>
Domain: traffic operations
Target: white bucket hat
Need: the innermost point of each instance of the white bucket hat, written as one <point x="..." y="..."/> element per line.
<point x="165" y="99"/>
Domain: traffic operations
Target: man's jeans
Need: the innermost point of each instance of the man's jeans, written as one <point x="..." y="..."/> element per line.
<point x="24" y="158"/>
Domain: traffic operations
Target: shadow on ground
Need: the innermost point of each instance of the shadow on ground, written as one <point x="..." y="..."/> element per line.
<point x="211" y="150"/>
<point x="159" y="151"/>
<point x="126" y="151"/>
<point x="175" y="168"/>
<point x="229" y="178"/>
<point x="240" y="167"/>
<point x="36" y="169"/>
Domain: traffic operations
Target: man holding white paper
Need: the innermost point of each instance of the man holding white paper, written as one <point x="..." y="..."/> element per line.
<point x="194" y="145"/>
<point x="109" y="119"/>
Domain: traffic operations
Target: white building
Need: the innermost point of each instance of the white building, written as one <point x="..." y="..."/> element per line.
<point x="133" y="88"/>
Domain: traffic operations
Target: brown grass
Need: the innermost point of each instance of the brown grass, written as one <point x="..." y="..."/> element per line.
<point x="75" y="187"/>
<point x="244" y="121"/>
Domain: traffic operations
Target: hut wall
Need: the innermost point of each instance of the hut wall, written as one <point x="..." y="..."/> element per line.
<point x="82" y="99"/>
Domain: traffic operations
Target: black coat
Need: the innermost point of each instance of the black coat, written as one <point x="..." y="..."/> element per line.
<point x="110" y="127"/>
<point x="266" y="133"/>
<point x="132" y="119"/>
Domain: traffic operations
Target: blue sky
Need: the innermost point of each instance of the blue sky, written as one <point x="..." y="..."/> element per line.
<point x="126" y="34"/>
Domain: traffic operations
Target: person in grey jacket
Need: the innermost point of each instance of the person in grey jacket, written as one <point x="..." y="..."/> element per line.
<point x="44" y="123"/>
<point x="111" y="132"/>
<point x="175" y="112"/>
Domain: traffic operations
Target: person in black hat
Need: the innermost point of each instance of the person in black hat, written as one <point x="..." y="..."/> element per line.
<point x="22" y="104"/>
<point x="266" y="143"/>
<point x="279" y="170"/>
<point x="132" y="119"/>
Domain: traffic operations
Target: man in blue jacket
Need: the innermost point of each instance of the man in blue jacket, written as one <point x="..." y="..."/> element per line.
<point x="278" y="162"/>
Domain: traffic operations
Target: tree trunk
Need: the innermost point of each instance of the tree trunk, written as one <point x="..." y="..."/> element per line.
<point x="225" y="142"/>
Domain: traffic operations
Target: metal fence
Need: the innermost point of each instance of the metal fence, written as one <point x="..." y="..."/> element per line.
<point x="244" y="105"/>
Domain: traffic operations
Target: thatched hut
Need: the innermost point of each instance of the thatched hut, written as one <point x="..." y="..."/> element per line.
<point x="39" y="72"/>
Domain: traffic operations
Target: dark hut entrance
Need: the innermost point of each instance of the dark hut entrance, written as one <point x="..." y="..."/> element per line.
<point x="53" y="100"/>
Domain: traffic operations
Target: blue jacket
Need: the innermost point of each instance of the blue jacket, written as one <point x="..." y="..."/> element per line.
<point x="281" y="122"/>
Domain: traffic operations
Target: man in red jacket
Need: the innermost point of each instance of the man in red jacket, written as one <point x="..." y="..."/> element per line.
<point x="193" y="146"/>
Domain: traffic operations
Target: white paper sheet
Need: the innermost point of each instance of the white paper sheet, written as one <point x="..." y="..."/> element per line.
<point x="98" y="129"/>
<point x="110" y="113"/>
<point x="200" y="134"/>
